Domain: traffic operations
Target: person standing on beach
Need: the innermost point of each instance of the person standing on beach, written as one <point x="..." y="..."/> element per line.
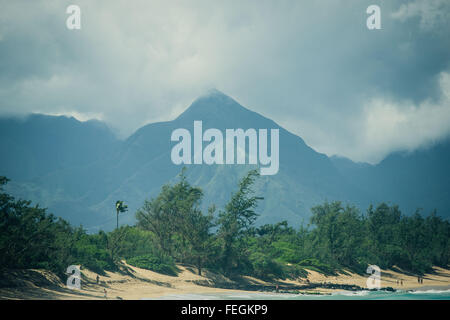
<point x="97" y="279"/>
<point x="104" y="290"/>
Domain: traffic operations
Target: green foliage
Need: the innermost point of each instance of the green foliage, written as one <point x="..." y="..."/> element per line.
<point x="172" y="228"/>
<point x="158" y="263"/>
<point x="344" y="238"/>
<point x="121" y="207"/>
<point x="286" y="252"/>
<point x="127" y="242"/>
<point x="32" y="238"/>
<point x="236" y="225"/>
<point x="92" y="257"/>
<point x="264" y="267"/>
<point x="181" y="230"/>
<point x="318" y="266"/>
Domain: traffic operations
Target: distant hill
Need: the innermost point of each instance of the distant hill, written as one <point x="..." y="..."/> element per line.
<point x="79" y="169"/>
<point x="414" y="180"/>
<point x="38" y="144"/>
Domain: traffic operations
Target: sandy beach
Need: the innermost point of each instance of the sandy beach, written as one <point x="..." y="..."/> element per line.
<point x="135" y="283"/>
<point x="398" y="280"/>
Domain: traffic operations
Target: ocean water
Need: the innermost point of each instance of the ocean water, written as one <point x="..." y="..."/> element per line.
<point x="433" y="294"/>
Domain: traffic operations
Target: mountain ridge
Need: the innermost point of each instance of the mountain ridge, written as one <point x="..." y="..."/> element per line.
<point x="84" y="189"/>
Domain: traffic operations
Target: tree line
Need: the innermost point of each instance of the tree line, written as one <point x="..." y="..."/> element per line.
<point x="172" y="228"/>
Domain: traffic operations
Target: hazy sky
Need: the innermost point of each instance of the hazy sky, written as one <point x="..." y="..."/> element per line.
<point x="311" y="66"/>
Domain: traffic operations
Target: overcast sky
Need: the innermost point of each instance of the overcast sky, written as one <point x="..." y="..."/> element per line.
<point x="313" y="68"/>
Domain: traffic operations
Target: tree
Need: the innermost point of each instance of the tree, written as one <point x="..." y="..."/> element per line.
<point x="236" y="222"/>
<point x="30" y="237"/>
<point x="383" y="226"/>
<point x="181" y="229"/>
<point x="198" y="236"/>
<point x="154" y="218"/>
<point x="120" y="208"/>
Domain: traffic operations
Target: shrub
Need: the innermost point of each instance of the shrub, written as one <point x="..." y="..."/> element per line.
<point x="266" y="268"/>
<point x="295" y="271"/>
<point x="161" y="264"/>
<point x="318" y="266"/>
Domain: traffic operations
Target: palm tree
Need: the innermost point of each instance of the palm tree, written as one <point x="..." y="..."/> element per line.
<point x="120" y="207"/>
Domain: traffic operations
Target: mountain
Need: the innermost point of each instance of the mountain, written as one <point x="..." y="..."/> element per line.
<point x="305" y="177"/>
<point x="48" y="159"/>
<point x="79" y="169"/>
<point x="415" y="180"/>
<point x="37" y="144"/>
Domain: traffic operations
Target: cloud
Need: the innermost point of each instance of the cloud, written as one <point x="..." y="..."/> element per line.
<point x="432" y="13"/>
<point x="312" y="67"/>
<point x="402" y="125"/>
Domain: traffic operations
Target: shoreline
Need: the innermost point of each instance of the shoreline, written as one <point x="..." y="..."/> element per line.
<point x="430" y="288"/>
<point x="133" y="283"/>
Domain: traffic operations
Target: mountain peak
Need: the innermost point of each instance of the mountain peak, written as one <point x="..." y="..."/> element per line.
<point x="214" y="104"/>
<point x="214" y="97"/>
<point x="213" y="92"/>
